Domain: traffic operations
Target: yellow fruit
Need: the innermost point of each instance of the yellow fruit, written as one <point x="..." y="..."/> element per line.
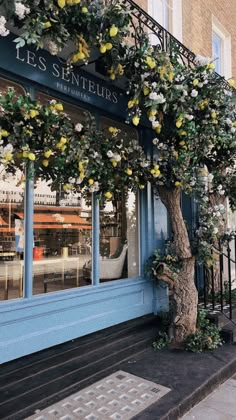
<point x="114" y="163"/>
<point x="84" y="10"/>
<point x="213" y="115"/>
<point x="150" y="62"/>
<point x="108" y="195"/>
<point x="61" y="3"/>
<point x="135" y="120"/>
<point x="195" y="82"/>
<point x="25" y="154"/>
<point x="91" y="181"/>
<point x="33" y="113"/>
<point x="108" y="46"/>
<point x="129" y="171"/>
<point x="45" y="163"/>
<point x="4" y="133"/>
<point x="211" y="66"/>
<point x="58" y="107"/>
<point x="178" y="184"/>
<point x="48" y="153"/>
<point x="131" y="103"/>
<point x="8" y="156"/>
<point x="47" y="24"/>
<point x="112" y="76"/>
<point x="31" y="156"/>
<point x="146" y="91"/>
<point x="113" y="31"/>
<point x="63" y="140"/>
<point x="102" y="49"/>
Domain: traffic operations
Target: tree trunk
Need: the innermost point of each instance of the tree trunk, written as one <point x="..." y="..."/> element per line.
<point x="184" y="298"/>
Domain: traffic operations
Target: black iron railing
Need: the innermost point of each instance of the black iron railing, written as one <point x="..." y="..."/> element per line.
<point x="143" y="22"/>
<point x="217" y="284"/>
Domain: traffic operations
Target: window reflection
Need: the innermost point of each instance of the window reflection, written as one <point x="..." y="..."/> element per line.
<point x="62" y="230"/>
<point x="11" y="231"/>
<point x="119" y="236"/>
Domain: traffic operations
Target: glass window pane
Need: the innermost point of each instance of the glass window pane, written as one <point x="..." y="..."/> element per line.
<point x="119" y="235"/>
<point x="11" y="231"/>
<point x="62" y="232"/>
<point x="217" y="52"/>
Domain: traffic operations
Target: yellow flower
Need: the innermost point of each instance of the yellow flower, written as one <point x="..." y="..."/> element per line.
<point x="171" y="76"/>
<point x="234" y="124"/>
<point x="183" y="133"/>
<point x="146" y="91"/>
<point x="141" y="186"/>
<point x="150" y="62"/>
<point x="113" y="130"/>
<point x="78" y="56"/>
<point x="114" y="163"/>
<point x="4" y="133"/>
<point x="76" y="1"/>
<point x="112" y="76"/>
<point x="195" y="82"/>
<point x="81" y="166"/>
<point x="182" y="143"/>
<point x="84" y="10"/>
<point x="213" y="115"/>
<point x="31" y="156"/>
<point x="67" y="187"/>
<point x="8" y="156"/>
<point x="45" y="163"/>
<point x="131" y="103"/>
<point x="58" y="107"/>
<point x="158" y="129"/>
<point x="33" y="113"/>
<point x="47" y="24"/>
<point x="63" y="140"/>
<point x="152" y="112"/>
<point x="113" y="31"/>
<point x="61" y="3"/>
<point x="108" y="46"/>
<point x="25" y="153"/>
<point x="103" y="49"/>
<point x="108" y="195"/>
<point x="91" y="181"/>
<point x="178" y="184"/>
<point x="129" y="171"/>
<point x="211" y="66"/>
<point x="48" y="153"/>
<point x="135" y="120"/>
<point x="179" y="122"/>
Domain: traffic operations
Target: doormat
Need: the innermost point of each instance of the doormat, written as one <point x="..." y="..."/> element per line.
<point x="119" y="396"/>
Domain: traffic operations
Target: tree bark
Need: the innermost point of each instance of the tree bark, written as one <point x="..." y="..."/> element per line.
<point x="184" y="298"/>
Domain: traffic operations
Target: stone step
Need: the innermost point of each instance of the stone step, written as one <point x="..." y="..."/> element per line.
<point x="229" y="332"/>
<point x="36" y="382"/>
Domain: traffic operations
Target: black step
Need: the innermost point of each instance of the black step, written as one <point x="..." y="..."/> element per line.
<point x="36" y="382"/>
<point x="229" y="332"/>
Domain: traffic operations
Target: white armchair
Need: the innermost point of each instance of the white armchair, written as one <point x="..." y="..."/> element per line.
<point x="110" y="268"/>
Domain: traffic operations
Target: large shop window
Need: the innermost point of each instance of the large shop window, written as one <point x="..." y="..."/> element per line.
<point x="11" y="228"/>
<point x="62" y="225"/>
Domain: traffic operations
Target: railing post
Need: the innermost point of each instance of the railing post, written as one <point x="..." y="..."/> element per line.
<point x="221" y="277"/>
<point x="229" y="277"/>
<point x="29" y="230"/>
<point x="95" y="240"/>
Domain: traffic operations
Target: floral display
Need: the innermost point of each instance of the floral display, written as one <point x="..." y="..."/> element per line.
<point x="74" y="155"/>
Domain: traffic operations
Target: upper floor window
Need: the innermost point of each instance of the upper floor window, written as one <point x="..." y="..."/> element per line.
<point x="217" y="46"/>
<point x="221" y="49"/>
<point x="169" y="14"/>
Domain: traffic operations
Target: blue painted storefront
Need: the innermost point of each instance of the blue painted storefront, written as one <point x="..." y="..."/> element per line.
<point x="36" y="322"/>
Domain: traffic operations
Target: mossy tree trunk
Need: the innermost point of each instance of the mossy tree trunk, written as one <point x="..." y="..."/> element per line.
<point x="184" y="298"/>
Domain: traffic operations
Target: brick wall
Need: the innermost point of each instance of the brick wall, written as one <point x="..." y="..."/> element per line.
<point x="197" y="25"/>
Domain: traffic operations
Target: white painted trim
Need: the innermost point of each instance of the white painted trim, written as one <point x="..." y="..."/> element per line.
<point x="220" y="30"/>
<point x="177" y="19"/>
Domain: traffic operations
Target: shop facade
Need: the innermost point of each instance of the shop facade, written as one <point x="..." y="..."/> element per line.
<point x="84" y="270"/>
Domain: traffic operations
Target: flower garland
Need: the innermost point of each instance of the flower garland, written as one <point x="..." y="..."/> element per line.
<point x="77" y="156"/>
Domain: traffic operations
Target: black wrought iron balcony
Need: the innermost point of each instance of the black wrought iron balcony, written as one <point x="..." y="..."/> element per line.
<point x="165" y="41"/>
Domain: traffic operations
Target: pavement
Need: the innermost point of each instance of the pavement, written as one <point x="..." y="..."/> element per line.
<point x="219" y="405"/>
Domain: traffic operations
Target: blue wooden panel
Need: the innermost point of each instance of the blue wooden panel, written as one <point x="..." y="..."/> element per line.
<point x="31" y="325"/>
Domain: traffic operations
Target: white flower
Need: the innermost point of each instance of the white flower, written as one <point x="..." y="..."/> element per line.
<point x="157" y="98"/>
<point x="153" y="96"/>
<point x="233" y="129"/>
<point x="155" y="141"/>
<point x="53" y="48"/>
<point x="185" y="93"/>
<point x="78" y="127"/>
<point x="155" y="124"/>
<point x="154" y="85"/>
<point x="109" y="153"/>
<point x="202" y="61"/>
<point x="210" y="177"/>
<point x="152" y="119"/>
<point x="215" y="230"/>
<point x="194" y="93"/>
<point x="94" y="187"/>
<point x="21" y="10"/>
<point x="188" y="117"/>
<point x="144" y="164"/>
<point x="3" y="30"/>
<point x="116" y="157"/>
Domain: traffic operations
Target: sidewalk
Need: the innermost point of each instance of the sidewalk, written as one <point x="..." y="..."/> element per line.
<point x="219" y="405"/>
